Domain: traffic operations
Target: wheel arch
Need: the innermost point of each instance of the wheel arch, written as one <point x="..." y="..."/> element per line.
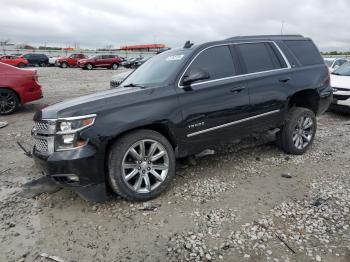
<point x="13" y="90"/>
<point x="308" y="98"/>
<point x="161" y="128"/>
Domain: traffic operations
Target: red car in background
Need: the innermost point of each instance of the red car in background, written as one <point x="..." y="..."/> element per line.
<point x="105" y="61"/>
<point x="14" y="60"/>
<point x="17" y="87"/>
<point x="71" y="60"/>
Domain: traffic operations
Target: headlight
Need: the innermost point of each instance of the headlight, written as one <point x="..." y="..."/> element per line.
<point x="67" y="135"/>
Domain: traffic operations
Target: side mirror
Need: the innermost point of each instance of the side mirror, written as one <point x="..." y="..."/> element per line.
<point x="195" y="75"/>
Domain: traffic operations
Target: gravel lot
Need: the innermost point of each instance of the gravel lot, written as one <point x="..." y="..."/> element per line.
<point x="233" y="205"/>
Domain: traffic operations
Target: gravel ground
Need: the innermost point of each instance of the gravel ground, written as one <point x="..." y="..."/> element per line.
<point x="246" y="201"/>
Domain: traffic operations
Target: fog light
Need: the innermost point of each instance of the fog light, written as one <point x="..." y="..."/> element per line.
<point x="68" y="139"/>
<point x="73" y="178"/>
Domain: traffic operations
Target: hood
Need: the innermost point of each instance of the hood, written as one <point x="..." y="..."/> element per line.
<point x="340" y="81"/>
<point x="94" y="103"/>
<point x="121" y="76"/>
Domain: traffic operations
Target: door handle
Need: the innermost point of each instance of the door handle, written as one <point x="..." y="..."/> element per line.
<point x="284" y="80"/>
<point x="237" y="89"/>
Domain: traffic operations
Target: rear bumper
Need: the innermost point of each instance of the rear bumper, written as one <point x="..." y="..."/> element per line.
<point x="325" y="100"/>
<point x="32" y="94"/>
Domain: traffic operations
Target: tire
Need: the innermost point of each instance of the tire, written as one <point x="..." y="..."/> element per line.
<point x="64" y="65"/>
<point x="88" y="66"/>
<point x="21" y="65"/>
<point x="8" y="101"/>
<point x="115" y="66"/>
<point x="122" y="164"/>
<point x="298" y="132"/>
<point x="42" y="64"/>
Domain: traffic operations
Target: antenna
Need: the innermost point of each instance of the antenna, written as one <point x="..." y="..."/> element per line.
<point x="188" y="44"/>
<point x="282" y="27"/>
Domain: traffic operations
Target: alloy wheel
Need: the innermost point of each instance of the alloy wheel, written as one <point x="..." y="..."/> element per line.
<point x="303" y="132"/>
<point x="145" y="166"/>
<point x="7" y="102"/>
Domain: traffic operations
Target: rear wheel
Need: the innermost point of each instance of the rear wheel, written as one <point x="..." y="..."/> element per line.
<point x="42" y="64"/>
<point x="88" y="66"/>
<point x="64" y="65"/>
<point x="298" y="132"/>
<point x="8" y="101"/>
<point x="21" y="65"/>
<point x="141" y="165"/>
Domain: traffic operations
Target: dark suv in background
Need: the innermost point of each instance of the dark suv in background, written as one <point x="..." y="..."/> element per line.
<point x="177" y="104"/>
<point x="104" y="61"/>
<point x="37" y="59"/>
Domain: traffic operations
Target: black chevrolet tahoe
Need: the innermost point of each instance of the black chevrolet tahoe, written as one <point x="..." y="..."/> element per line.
<point x="180" y="102"/>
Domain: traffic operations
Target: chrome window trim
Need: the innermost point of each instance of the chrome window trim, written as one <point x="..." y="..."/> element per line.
<point x="232" y="123"/>
<point x="236" y="76"/>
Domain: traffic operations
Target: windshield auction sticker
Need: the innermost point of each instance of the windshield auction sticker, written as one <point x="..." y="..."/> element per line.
<point x="174" y="57"/>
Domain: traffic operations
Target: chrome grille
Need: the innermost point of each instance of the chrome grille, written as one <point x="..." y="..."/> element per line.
<point x="43" y="135"/>
<point x="41" y="145"/>
<point x="115" y="83"/>
<point x="41" y="126"/>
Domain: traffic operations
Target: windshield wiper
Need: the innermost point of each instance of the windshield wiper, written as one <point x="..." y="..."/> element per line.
<point x="333" y="73"/>
<point x="134" y="85"/>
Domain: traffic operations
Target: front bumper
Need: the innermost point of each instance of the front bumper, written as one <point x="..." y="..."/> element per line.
<point x="81" y="170"/>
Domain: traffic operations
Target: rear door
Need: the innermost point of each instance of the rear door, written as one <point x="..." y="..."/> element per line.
<point x="267" y="75"/>
<point x="212" y="108"/>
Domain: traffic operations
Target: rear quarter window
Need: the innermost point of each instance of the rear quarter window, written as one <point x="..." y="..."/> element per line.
<point x="305" y="51"/>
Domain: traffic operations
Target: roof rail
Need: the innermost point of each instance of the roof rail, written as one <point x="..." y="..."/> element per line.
<point x="264" y="36"/>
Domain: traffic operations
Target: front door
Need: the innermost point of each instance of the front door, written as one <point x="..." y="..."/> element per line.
<point x="213" y="108"/>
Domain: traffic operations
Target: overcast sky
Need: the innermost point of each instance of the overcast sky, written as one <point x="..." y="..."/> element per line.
<point x="120" y="22"/>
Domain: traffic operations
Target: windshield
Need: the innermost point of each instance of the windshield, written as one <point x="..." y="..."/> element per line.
<point x="158" y="69"/>
<point x="344" y="70"/>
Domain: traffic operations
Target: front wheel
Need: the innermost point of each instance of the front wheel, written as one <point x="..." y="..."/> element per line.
<point x="298" y="132"/>
<point x="8" y="101"/>
<point x="88" y="66"/>
<point x="114" y="66"/>
<point x="42" y="64"/>
<point x="141" y="165"/>
<point x="21" y="65"/>
<point x="64" y="65"/>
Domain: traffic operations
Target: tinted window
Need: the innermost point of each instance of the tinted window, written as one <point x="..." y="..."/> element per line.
<point x="217" y="61"/>
<point x="258" y="57"/>
<point x="305" y="51"/>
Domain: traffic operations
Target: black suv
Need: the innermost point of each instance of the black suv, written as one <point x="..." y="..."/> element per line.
<point x="178" y="103"/>
<point x="37" y="59"/>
